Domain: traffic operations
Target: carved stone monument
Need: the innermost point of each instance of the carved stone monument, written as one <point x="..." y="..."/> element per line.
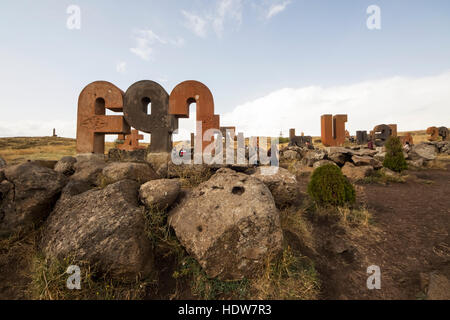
<point x="131" y="141"/>
<point x="362" y="137"/>
<point x="444" y="133"/>
<point x="158" y="122"/>
<point x="299" y="141"/>
<point x="380" y="134"/>
<point x="407" y="139"/>
<point x="92" y="123"/>
<point x="188" y="92"/>
<point x="333" y="129"/>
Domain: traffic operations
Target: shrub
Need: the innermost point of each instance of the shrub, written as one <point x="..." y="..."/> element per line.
<point x="328" y="186"/>
<point x="395" y="160"/>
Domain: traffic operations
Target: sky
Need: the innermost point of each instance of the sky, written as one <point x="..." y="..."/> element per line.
<point x="271" y="65"/>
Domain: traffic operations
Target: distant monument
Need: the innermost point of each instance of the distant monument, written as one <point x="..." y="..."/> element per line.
<point x="299" y="141"/>
<point x="333" y="129"/>
<point x="131" y="141"/>
<point x="361" y="137"/>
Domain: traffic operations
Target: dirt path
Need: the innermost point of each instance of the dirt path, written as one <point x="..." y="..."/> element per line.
<point x="409" y="240"/>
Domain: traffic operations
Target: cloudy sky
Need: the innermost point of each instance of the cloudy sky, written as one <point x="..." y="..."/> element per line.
<point x="270" y="64"/>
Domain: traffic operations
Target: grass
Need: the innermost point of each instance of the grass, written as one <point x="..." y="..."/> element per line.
<point x="286" y="276"/>
<point x="191" y="175"/>
<point x="348" y="216"/>
<point x="49" y="282"/>
<point x="381" y="177"/>
<point x="22" y="149"/>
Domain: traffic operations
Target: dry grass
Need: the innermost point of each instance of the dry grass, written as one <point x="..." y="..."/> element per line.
<point x="18" y="150"/>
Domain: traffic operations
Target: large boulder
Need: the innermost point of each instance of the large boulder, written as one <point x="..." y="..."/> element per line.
<point x="339" y="155"/>
<point x="281" y="183"/>
<point x="66" y="165"/>
<point x="313" y="156"/>
<point x="118" y="155"/>
<point x="28" y="195"/>
<point x="292" y="153"/>
<point x="2" y="162"/>
<point x="424" y="150"/>
<point x="443" y="146"/>
<point x="360" y="161"/>
<point x="159" y="194"/>
<point x="88" y="169"/>
<point x="159" y="162"/>
<point x="230" y="224"/>
<point x="140" y="172"/>
<point x="355" y="173"/>
<point x="323" y="162"/>
<point x="103" y="227"/>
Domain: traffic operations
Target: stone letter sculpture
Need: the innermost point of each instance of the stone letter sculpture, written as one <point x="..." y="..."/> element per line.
<point x="381" y="133"/>
<point x="299" y="141"/>
<point x="434" y="133"/>
<point x="92" y="123"/>
<point x="443" y="132"/>
<point x="159" y="123"/>
<point x="131" y="141"/>
<point x="361" y="137"/>
<point x="189" y="92"/>
<point x="333" y="129"/>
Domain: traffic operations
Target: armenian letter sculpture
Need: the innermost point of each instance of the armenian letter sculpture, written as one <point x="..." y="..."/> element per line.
<point x="189" y="92"/>
<point x="159" y="123"/>
<point x="92" y="123"/>
<point x="333" y="129"/>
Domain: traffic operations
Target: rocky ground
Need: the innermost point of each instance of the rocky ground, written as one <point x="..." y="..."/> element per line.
<point x="143" y="228"/>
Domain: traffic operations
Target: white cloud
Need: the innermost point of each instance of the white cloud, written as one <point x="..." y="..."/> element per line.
<point x="195" y="23"/>
<point x="225" y="11"/>
<point x="276" y="8"/>
<point x="412" y="103"/>
<point x="147" y="39"/>
<point x="121" y="67"/>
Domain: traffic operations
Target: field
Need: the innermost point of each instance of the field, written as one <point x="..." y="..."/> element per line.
<point x="21" y="149"/>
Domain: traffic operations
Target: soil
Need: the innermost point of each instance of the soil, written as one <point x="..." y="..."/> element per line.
<point x="408" y="239"/>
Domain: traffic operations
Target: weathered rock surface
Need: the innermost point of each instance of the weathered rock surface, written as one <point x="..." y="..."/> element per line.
<point x="50" y="164"/>
<point x="230" y="224"/>
<point x="103" y="227"/>
<point x="66" y="166"/>
<point x="28" y="195"/>
<point x="322" y="163"/>
<point x="118" y="155"/>
<point x="281" y="183"/>
<point x="88" y="170"/>
<point x="2" y="162"/>
<point x="159" y="194"/>
<point x="423" y="150"/>
<point x="159" y="162"/>
<point x="313" y="156"/>
<point x="140" y="172"/>
<point x="75" y="187"/>
<point x="360" y="161"/>
<point x="356" y="173"/>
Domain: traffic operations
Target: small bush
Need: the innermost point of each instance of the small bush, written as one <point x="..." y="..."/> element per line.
<point x="395" y="160"/>
<point x="328" y="186"/>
